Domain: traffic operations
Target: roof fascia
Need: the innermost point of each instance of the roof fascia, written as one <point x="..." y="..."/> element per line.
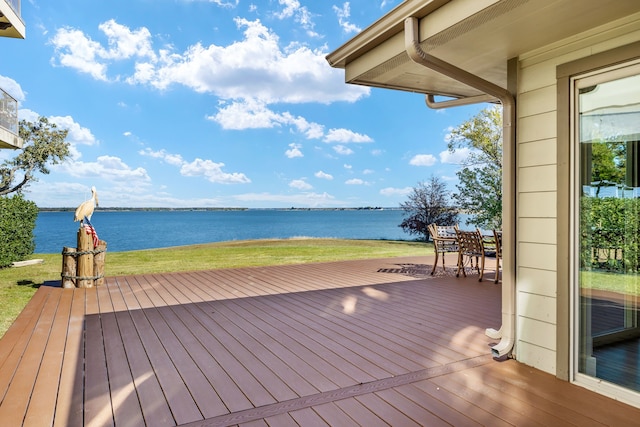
<point x="387" y="26"/>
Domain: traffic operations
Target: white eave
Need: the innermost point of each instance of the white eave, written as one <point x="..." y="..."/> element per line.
<point x="16" y="27"/>
<point x="479" y="36"/>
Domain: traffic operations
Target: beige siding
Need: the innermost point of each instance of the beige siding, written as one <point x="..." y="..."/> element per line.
<point x="538" y="153"/>
<point x="536" y="177"/>
<point x="541" y="230"/>
<point x="534" y="355"/>
<point x="537" y="205"/>
<point x="536" y="281"/>
<point x="537" y="255"/>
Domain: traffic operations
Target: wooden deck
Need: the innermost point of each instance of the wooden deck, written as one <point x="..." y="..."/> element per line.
<point x="375" y="342"/>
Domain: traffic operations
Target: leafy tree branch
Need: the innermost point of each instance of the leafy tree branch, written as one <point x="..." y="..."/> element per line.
<point x="44" y="144"/>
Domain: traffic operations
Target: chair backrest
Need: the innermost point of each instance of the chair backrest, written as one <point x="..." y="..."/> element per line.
<point x="445" y="230"/>
<point x="470" y="242"/>
<point x="497" y="236"/>
<point x="432" y="231"/>
<point x="441" y="232"/>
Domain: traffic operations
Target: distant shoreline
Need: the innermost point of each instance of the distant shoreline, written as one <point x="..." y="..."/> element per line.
<point x="148" y="209"/>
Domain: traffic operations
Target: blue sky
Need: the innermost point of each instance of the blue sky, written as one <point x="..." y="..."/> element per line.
<point x="219" y="103"/>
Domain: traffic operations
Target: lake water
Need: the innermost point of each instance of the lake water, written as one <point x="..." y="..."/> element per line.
<point x="133" y="230"/>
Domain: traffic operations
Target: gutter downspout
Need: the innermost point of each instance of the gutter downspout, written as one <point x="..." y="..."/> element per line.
<point x="431" y="102"/>
<point x="506" y="333"/>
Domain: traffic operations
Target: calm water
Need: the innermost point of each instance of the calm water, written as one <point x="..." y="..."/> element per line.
<point x="132" y="230"/>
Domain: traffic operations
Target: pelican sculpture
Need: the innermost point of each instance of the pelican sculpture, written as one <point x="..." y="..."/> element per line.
<point x="86" y="208"/>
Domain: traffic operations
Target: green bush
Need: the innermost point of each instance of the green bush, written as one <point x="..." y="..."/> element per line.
<point x="17" y="222"/>
<point x="610" y="234"/>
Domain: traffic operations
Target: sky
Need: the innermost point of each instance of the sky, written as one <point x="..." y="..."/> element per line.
<point x="219" y="103"/>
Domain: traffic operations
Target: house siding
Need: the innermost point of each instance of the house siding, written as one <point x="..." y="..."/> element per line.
<point x="537" y="278"/>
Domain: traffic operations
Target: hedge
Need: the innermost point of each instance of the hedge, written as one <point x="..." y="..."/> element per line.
<point x="17" y="223"/>
<point x="610" y="234"/>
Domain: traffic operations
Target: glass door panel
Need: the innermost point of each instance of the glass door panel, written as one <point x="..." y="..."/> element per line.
<point x="608" y="136"/>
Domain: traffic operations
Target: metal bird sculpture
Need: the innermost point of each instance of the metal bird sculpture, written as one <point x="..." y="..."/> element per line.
<point x="86" y="208"/>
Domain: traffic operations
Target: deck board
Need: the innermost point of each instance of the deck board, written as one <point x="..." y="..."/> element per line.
<point x="47" y="382"/>
<point x="69" y="401"/>
<point x="17" y="339"/>
<point x="370" y="342"/>
<point x="15" y="404"/>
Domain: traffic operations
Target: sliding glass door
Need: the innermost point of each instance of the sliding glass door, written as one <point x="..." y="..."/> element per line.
<point x="607" y="224"/>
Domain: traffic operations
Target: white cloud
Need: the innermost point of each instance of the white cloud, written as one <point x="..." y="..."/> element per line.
<point x="254" y="114"/>
<point x="368" y="171"/>
<point x="323" y="175"/>
<point x="455" y="158"/>
<point x="347" y="166"/>
<point x="342" y="150"/>
<point x="423" y="160"/>
<point x="390" y="191"/>
<point x="77" y="134"/>
<point x="225" y="3"/>
<point x="12" y="87"/>
<point x="290" y="7"/>
<point x="386" y="3"/>
<point x="294" y="151"/>
<point x="213" y="172"/>
<point x="355" y="181"/>
<point x="303" y="199"/>
<point x="124" y="43"/>
<point x="208" y="169"/>
<point x="343" y="15"/>
<point x="76" y="50"/>
<point x="301" y="15"/>
<point x="300" y="184"/>
<point x="172" y="159"/>
<point x="108" y="168"/>
<point x="53" y="194"/>
<point x="28" y="115"/>
<point x="256" y="67"/>
<point x="345" y="136"/>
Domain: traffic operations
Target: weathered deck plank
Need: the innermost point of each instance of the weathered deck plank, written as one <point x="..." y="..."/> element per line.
<point x="372" y="342"/>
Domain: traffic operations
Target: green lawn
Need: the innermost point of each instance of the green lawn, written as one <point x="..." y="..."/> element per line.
<point x="17" y="285"/>
<point x="612" y="282"/>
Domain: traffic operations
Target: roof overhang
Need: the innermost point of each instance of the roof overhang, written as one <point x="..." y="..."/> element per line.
<point x="478" y="36"/>
<point x="11" y="24"/>
<point x="9" y="140"/>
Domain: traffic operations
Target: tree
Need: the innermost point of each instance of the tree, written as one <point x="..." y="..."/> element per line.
<point x="427" y="204"/>
<point x="480" y="179"/>
<point x="44" y="144"/>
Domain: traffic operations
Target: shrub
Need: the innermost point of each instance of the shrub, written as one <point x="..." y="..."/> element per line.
<point x="17" y="222"/>
<point x="610" y="234"/>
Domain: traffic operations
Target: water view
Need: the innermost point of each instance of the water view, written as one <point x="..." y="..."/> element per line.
<point x="136" y="229"/>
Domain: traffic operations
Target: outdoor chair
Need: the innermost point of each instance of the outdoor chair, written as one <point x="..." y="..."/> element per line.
<point x="470" y="244"/>
<point x="497" y="235"/>
<point x="444" y="241"/>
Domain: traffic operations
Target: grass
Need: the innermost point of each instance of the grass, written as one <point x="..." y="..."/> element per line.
<point x="612" y="282"/>
<point x="17" y="285"/>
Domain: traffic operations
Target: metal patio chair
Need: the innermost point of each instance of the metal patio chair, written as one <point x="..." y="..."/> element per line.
<point x="444" y="241"/>
<point x="471" y="245"/>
